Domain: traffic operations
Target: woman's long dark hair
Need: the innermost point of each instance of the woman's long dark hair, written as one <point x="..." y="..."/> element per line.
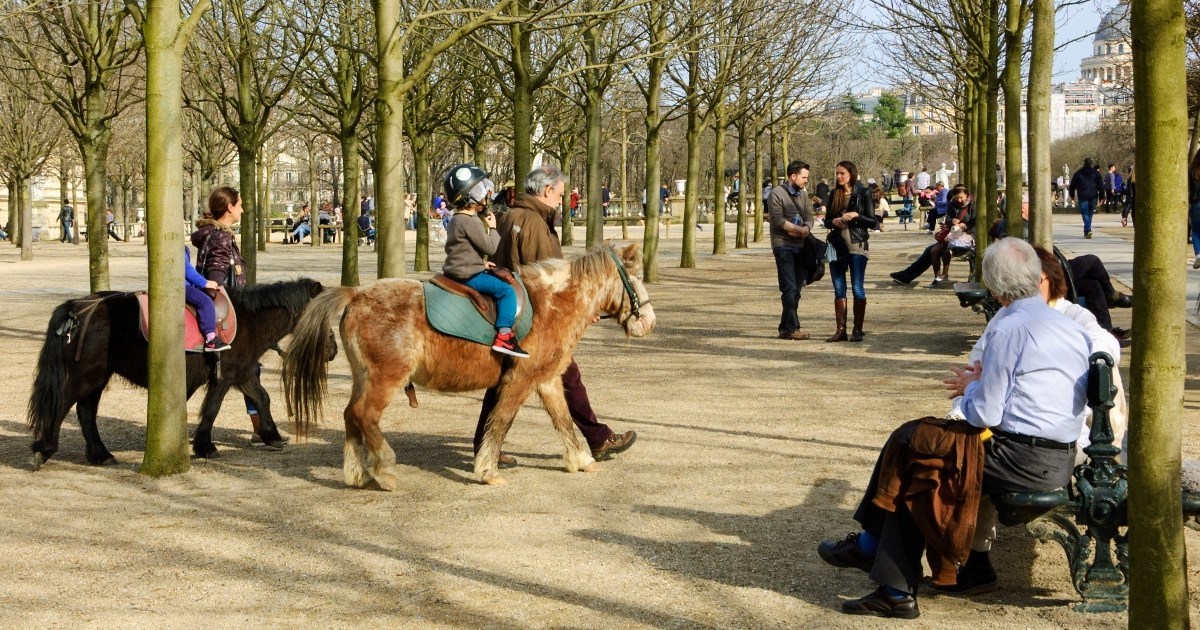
<point x="853" y="170"/>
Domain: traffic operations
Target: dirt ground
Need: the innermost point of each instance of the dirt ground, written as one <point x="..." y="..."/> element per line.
<point x="751" y="450"/>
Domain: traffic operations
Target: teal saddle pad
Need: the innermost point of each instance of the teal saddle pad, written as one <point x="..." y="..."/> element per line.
<point x="454" y="315"/>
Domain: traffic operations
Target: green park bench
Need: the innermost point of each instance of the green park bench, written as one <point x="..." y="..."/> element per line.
<point x="1090" y="518"/>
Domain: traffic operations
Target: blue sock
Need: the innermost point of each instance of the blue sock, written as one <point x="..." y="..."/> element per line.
<point x="867" y="543"/>
<point x="895" y="592"/>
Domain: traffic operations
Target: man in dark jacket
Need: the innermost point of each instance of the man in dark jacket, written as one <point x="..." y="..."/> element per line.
<point x="527" y="235"/>
<point x="789" y="213"/>
<point x="1085" y="187"/>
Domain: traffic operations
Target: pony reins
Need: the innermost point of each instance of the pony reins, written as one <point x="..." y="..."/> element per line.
<point x="635" y="304"/>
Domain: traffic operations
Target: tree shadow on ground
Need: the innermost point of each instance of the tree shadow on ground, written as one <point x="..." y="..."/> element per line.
<point x="777" y="552"/>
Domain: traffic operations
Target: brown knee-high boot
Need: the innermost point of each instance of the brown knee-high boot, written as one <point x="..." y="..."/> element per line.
<point x="839" y="312"/>
<point x="860" y="313"/>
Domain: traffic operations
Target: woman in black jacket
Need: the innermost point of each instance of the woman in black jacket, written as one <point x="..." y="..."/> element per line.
<point x="850" y="219"/>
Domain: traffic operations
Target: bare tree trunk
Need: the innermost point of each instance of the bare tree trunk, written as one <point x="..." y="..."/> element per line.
<point x="756" y="186"/>
<point x="25" y="209"/>
<point x="1158" y="589"/>
<point x="1017" y="15"/>
<point x="313" y="199"/>
<point x="740" y="240"/>
<point x="691" y="192"/>
<point x="389" y="144"/>
<point x="567" y="235"/>
<point x="248" y="181"/>
<point x="264" y="232"/>
<point x="94" y="157"/>
<point x="166" y="407"/>
<point x="719" y="181"/>
<point x="351" y="169"/>
<point x="595" y="215"/>
<point x="422" y="148"/>
<point x="261" y="172"/>
<point x="1041" y="71"/>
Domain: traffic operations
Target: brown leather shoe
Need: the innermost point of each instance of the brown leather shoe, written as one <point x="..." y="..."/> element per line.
<point x="880" y="604"/>
<point x="795" y="335"/>
<point x="615" y="443"/>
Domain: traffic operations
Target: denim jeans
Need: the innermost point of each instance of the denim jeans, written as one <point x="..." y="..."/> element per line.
<point x="1194" y="217"/>
<point x="858" y="271"/>
<point x="499" y="290"/>
<point x="792" y="275"/>
<point x="206" y="313"/>
<point x="301" y="231"/>
<point x="1087" y="207"/>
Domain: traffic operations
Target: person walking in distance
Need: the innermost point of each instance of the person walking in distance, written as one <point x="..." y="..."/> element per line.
<point x="789" y="214"/>
<point x="66" y="219"/>
<point x="850" y="219"/>
<point x="1085" y="188"/>
<point x="527" y="235"/>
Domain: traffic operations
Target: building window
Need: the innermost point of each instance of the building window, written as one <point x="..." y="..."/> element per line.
<point x="1120" y="48"/>
<point x="929" y="129"/>
<point x="916" y="130"/>
<point x="1108" y="50"/>
<point x="917" y="115"/>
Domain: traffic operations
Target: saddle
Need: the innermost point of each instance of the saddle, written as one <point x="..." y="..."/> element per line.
<point x="456" y="309"/>
<point x="193" y="339"/>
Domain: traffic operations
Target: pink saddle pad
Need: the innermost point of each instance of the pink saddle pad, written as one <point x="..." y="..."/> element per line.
<point x="193" y="339"/>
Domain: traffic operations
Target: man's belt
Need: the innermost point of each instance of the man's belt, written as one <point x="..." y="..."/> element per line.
<point x="1029" y="440"/>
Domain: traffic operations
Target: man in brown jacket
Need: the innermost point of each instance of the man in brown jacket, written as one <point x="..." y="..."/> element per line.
<point x="527" y="235"/>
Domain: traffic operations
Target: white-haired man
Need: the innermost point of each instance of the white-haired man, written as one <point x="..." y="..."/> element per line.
<point x="1033" y="356"/>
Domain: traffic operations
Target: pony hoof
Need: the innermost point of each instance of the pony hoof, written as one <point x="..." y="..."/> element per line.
<point x="592" y="467"/>
<point x="38" y="460"/>
<point x="495" y="480"/>
<point x="209" y="454"/>
<point x="386" y="482"/>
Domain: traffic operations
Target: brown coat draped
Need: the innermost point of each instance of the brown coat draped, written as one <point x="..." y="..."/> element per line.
<point x="938" y="473"/>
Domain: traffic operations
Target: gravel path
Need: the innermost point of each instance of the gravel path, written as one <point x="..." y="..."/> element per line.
<point x="751" y="451"/>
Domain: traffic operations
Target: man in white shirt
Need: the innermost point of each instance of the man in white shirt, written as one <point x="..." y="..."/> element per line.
<point x="1029" y="389"/>
<point x="923" y="179"/>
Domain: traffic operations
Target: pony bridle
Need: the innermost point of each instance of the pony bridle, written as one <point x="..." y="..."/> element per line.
<point x="635" y="303"/>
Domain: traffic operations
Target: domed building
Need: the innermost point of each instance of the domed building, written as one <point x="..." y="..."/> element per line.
<point x="1111" y="63"/>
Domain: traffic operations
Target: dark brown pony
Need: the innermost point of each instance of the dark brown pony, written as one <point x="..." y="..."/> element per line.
<point x="389" y="343"/>
<point x="90" y="339"/>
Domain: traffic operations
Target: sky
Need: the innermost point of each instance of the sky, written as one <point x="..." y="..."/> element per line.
<point x="1074" y="29"/>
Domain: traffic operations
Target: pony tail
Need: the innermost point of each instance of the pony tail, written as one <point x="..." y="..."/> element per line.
<point x="305" y="368"/>
<point x="47" y="401"/>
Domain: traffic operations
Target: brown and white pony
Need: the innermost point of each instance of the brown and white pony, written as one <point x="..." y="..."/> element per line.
<point x="389" y="343"/>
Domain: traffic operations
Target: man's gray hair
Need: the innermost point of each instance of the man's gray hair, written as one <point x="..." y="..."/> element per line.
<point x="539" y="178"/>
<point x="1011" y="269"/>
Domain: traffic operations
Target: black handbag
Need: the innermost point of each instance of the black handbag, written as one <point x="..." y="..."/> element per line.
<point x="814" y="259"/>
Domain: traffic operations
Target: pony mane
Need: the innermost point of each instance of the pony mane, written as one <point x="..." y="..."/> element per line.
<point x="290" y="295"/>
<point x="593" y="263"/>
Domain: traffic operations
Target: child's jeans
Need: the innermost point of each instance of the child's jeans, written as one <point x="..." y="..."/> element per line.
<point x="206" y="313"/>
<point x="499" y="290"/>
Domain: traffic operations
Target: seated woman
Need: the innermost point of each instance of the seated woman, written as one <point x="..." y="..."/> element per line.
<point x="961" y="214"/>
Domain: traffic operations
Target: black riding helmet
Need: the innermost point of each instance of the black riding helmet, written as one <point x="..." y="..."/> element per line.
<point x="461" y="181"/>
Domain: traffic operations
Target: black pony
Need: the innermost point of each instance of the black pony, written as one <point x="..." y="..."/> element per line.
<point x="90" y="339"/>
